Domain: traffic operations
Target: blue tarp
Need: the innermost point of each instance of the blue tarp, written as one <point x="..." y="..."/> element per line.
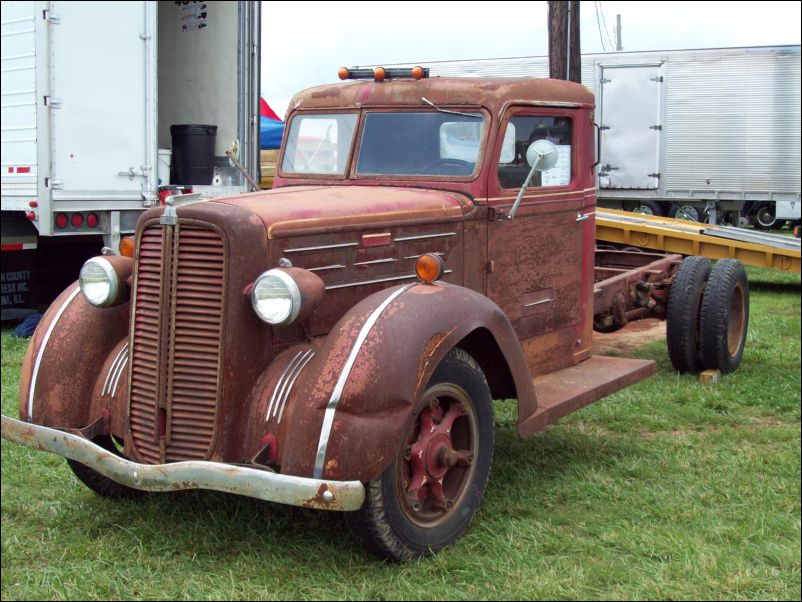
<point x="270" y="133"/>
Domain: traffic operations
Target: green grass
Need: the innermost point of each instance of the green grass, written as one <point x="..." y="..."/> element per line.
<point x="668" y="489"/>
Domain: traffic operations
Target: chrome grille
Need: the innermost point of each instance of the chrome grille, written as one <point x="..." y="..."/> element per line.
<point x="176" y="341"/>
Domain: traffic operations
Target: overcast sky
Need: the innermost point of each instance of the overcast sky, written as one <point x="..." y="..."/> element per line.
<point x="304" y="43"/>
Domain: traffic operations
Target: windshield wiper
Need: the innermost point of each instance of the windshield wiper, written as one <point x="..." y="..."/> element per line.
<point x="436" y="108"/>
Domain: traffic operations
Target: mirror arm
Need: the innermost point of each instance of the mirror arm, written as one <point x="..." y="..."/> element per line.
<point x="524" y="187"/>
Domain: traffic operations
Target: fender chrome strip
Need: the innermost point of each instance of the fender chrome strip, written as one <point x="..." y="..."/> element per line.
<point x="282" y="379"/>
<point x="112" y="370"/>
<point x="331" y="407"/>
<point x="41" y="351"/>
<point x="120" y="370"/>
<point x="285" y="395"/>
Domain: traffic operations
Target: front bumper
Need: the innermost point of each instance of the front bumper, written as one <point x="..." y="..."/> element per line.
<point x="242" y="480"/>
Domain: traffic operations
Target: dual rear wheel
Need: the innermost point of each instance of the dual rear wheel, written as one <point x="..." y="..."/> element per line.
<point x="708" y="315"/>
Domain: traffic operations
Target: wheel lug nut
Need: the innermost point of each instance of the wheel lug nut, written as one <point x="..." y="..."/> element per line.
<point x="407" y="453"/>
<point x="417" y="506"/>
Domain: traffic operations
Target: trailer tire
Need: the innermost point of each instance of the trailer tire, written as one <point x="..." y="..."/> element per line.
<point x="686" y="212"/>
<point x="647" y="207"/>
<point x="406" y="514"/>
<point x="766" y="217"/>
<point x="725" y="316"/>
<point x="100" y="484"/>
<point x="683" y="314"/>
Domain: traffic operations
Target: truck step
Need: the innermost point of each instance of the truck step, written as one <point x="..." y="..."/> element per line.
<point x="564" y="391"/>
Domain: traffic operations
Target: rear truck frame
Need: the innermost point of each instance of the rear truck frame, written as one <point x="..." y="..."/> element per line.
<point x="337" y="342"/>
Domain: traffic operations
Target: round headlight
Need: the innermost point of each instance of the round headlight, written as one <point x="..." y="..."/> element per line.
<point x="276" y="298"/>
<point x="99" y="282"/>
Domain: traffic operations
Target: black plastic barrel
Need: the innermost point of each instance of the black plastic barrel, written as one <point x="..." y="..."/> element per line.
<point x="193" y="153"/>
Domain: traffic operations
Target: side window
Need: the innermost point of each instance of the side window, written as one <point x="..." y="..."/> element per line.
<point x="523" y="130"/>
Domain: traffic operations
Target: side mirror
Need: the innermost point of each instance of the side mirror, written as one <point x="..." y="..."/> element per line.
<point x="542" y="155"/>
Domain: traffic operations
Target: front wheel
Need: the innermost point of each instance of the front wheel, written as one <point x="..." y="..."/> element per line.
<point x="100" y="484"/>
<point x="428" y="496"/>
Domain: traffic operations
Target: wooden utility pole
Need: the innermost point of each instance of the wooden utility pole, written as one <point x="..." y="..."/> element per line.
<point x="565" y="58"/>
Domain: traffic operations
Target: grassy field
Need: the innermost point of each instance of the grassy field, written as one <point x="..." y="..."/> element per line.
<point x="668" y="489"/>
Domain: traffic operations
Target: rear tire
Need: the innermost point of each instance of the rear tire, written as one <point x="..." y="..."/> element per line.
<point x="725" y="316"/>
<point x="683" y="314"/>
<point x="686" y="212"/>
<point x="647" y="207"/>
<point x="100" y="484"/>
<point x="426" y="499"/>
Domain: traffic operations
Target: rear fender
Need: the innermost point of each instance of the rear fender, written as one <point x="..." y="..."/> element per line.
<point x="350" y="408"/>
<point x="69" y="367"/>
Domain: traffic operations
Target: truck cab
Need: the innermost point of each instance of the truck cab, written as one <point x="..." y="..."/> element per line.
<point x="337" y="342"/>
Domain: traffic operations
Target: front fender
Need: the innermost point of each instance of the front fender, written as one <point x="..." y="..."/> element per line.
<point x="66" y="358"/>
<point x="351" y="407"/>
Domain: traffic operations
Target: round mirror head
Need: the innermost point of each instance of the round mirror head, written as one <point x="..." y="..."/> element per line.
<point x="542" y="155"/>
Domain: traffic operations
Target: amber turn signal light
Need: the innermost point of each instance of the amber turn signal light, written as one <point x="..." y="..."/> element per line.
<point x="429" y="267"/>
<point x="127" y="246"/>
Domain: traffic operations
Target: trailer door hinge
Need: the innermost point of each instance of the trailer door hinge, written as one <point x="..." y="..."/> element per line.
<point x="54" y="183"/>
<point x="658" y="79"/>
<point x="605" y="81"/>
<point x="132" y="172"/>
<point x="658" y="128"/>
<point x="52" y="102"/>
<point x="604" y="127"/>
<point x="48" y="16"/>
<point x="654" y="175"/>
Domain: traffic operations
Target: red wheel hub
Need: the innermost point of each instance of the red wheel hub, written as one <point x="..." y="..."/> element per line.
<point x="431" y="457"/>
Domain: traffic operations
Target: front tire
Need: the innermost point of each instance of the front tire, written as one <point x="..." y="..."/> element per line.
<point x="100" y="484"/>
<point x="426" y="499"/>
<point x="683" y="314"/>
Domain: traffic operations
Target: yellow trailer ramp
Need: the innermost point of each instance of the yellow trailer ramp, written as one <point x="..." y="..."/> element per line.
<point x="750" y="247"/>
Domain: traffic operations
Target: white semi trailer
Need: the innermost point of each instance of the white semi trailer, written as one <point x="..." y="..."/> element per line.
<point x="90" y="92"/>
<point x="687" y="133"/>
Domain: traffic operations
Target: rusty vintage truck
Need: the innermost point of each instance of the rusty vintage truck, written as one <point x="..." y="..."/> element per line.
<point x="337" y="342"/>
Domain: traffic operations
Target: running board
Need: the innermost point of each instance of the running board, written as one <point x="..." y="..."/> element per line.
<point x="564" y="391"/>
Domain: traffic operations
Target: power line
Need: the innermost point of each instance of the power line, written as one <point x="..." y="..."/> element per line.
<point x="606" y="32"/>
<point x="598" y="22"/>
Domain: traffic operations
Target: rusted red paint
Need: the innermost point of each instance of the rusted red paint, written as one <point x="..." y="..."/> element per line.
<point x="518" y="295"/>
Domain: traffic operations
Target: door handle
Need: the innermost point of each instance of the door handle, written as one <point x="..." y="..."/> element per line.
<point x="581" y="217"/>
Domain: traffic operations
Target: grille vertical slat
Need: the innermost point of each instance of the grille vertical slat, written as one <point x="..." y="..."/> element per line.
<point x="179" y="346"/>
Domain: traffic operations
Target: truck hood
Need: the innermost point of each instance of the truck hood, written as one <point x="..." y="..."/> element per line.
<point x="306" y="209"/>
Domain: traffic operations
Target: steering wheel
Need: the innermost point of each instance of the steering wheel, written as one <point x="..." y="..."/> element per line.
<point x="464" y="167"/>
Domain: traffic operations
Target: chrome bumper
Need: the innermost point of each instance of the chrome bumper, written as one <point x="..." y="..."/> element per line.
<point x="252" y="482"/>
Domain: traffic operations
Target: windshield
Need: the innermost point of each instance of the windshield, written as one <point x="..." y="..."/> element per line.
<point x="319" y="144"/>
<point x="421" y="143"/>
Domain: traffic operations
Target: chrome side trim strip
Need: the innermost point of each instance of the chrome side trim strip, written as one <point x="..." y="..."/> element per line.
<point x="377" y="280"/>
<point x="343" y="245"/>
<point x="326" y="267"/>
<point x="331" y="407"/>
<point x="280" y="382"/>
<point x="375" y="261"/>
<point x="218" y="476"/>
<point x="290" y="383"/>
<point x="289" y="377"/>
<point x="440" y="253"/>
<point x="109" y="376"/>
<point x="538" y="302"/>
<point x="39" y="355"/>
<point x="425" y="236"/>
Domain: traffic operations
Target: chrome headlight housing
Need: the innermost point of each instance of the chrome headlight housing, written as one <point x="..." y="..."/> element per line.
<point x="99" y="282"/>
<point x="276" y="298"/>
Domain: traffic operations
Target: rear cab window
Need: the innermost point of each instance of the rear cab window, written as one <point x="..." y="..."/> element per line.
<point x="523" y="130"/>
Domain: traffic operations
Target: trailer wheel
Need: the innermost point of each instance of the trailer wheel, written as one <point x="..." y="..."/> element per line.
<point x="766" y="217"/>
<point x="647" y="207"/>
<point x="683" y="314"/>
<point x="686" y="212"/>
<point x="428" y="496"/>
<point x="100" y="484"/>
<point x="725" y="316"/>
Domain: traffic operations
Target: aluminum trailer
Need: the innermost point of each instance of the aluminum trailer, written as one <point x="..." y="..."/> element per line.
<point x="687" y="133"/>
<point x="88" y="98"/>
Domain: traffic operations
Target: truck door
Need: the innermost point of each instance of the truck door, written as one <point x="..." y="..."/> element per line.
<point x="539" y="260"/>
<point x="631" y="126"/>
<point x="102" y="104"/>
